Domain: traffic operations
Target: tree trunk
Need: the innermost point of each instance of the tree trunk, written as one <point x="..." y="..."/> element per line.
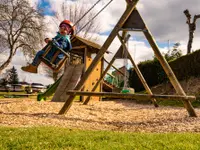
<point x="189" y="46"/>
<point x="192" y="28"/>
<point x="6" y="63"/>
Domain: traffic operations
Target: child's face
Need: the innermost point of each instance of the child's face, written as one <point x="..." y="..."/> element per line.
<point x="65" y="29"/>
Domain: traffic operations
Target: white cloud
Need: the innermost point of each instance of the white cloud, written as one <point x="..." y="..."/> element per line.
<point x="165" y="20"/>
<point x="34" y="3"/>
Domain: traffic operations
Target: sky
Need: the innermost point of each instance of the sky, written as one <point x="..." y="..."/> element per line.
<point x="164" y="18"/>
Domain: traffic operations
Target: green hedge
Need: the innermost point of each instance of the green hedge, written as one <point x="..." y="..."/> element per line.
<point x="183" y="67"/>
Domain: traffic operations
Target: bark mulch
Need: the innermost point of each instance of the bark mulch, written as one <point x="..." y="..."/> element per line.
<point x="118" y="115"/>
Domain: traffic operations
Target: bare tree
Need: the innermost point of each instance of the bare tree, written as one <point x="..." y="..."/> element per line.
<point x="21" y="28"/>
<point x="192" y="28"/>
<point x="74" y="13"/>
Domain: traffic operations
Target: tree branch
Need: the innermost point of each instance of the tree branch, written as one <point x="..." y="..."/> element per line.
<point x="196" y="17"/>
<point x="188" y="16"/>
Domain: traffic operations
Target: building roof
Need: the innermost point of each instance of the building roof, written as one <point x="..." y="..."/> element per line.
<point x="24" y="83"/>
<point x="92" y="46"/>
<point x="37" y="85"/>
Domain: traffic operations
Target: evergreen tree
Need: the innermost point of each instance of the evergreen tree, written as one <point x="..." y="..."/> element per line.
<point x="4" y="83"/>
<point x="13" y="76"/>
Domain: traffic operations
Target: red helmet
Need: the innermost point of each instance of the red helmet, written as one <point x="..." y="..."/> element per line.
<point x="70" y="24"/>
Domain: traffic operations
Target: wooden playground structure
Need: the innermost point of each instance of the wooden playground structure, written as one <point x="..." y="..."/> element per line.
<point x="73" y="71"/>
<point x="130" y="21"/>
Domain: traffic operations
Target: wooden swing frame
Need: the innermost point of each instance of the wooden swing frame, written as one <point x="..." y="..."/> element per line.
<point x="131" y="21"/>
<point x="50" y="63"/>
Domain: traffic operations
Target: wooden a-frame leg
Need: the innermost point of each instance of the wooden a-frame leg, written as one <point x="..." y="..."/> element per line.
<point x="170" y="73"/>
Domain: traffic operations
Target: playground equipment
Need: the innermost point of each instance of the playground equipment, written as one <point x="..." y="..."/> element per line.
<point x="126" y="88"/>
<point x="70" y="72"/>
<point x="50" y="63"/>
<point x="49" y="91"/>
<point x="52" y="89"/>
<point x="57" y="67"/>
<point x="55" y="63"/>
<point x="68" y="81"/>
<point x="84" y="49"/>
<point x="130" y="21"/>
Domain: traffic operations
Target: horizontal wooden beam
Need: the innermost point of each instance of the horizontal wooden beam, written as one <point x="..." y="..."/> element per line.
<point x="108" y="85"/>
<point x="114" y="67"/>
<point x="110" y="75"/>
<point x="16" y="95"/>
<point x="132" y="96"/>
<point x="133" y="29"/>
<point x="78" y="47"/>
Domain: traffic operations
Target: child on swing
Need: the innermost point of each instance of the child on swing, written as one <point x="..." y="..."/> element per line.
<point x="61" y="40"/>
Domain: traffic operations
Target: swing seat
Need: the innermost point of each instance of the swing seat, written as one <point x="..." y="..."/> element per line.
<point x="51" y="62"/>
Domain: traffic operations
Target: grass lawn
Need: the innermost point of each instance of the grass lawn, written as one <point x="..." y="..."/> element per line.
<point x="41" y="138"/>
<point x="33" y="96"/>
<point x="15" y="95"/>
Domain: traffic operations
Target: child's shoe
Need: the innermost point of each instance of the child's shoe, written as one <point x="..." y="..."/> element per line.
<point x="30" y="68"/>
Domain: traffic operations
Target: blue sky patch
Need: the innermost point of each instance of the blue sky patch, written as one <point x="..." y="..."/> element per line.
<point x="46" y="7"/>
<point x="160" y="44"/>
<point x="105" y="33"/>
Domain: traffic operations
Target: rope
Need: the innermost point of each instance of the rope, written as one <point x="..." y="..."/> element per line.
<point x="86" y="12"/>
<point x="94" y="16"/>
<point x="125" y="66"/>
<point x="83" y="14"/>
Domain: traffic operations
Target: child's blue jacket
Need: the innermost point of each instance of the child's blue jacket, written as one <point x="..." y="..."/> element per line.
<point x="62" y="42"/>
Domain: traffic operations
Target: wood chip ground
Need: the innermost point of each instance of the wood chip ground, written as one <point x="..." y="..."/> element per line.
<point x="118" y="115"/>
